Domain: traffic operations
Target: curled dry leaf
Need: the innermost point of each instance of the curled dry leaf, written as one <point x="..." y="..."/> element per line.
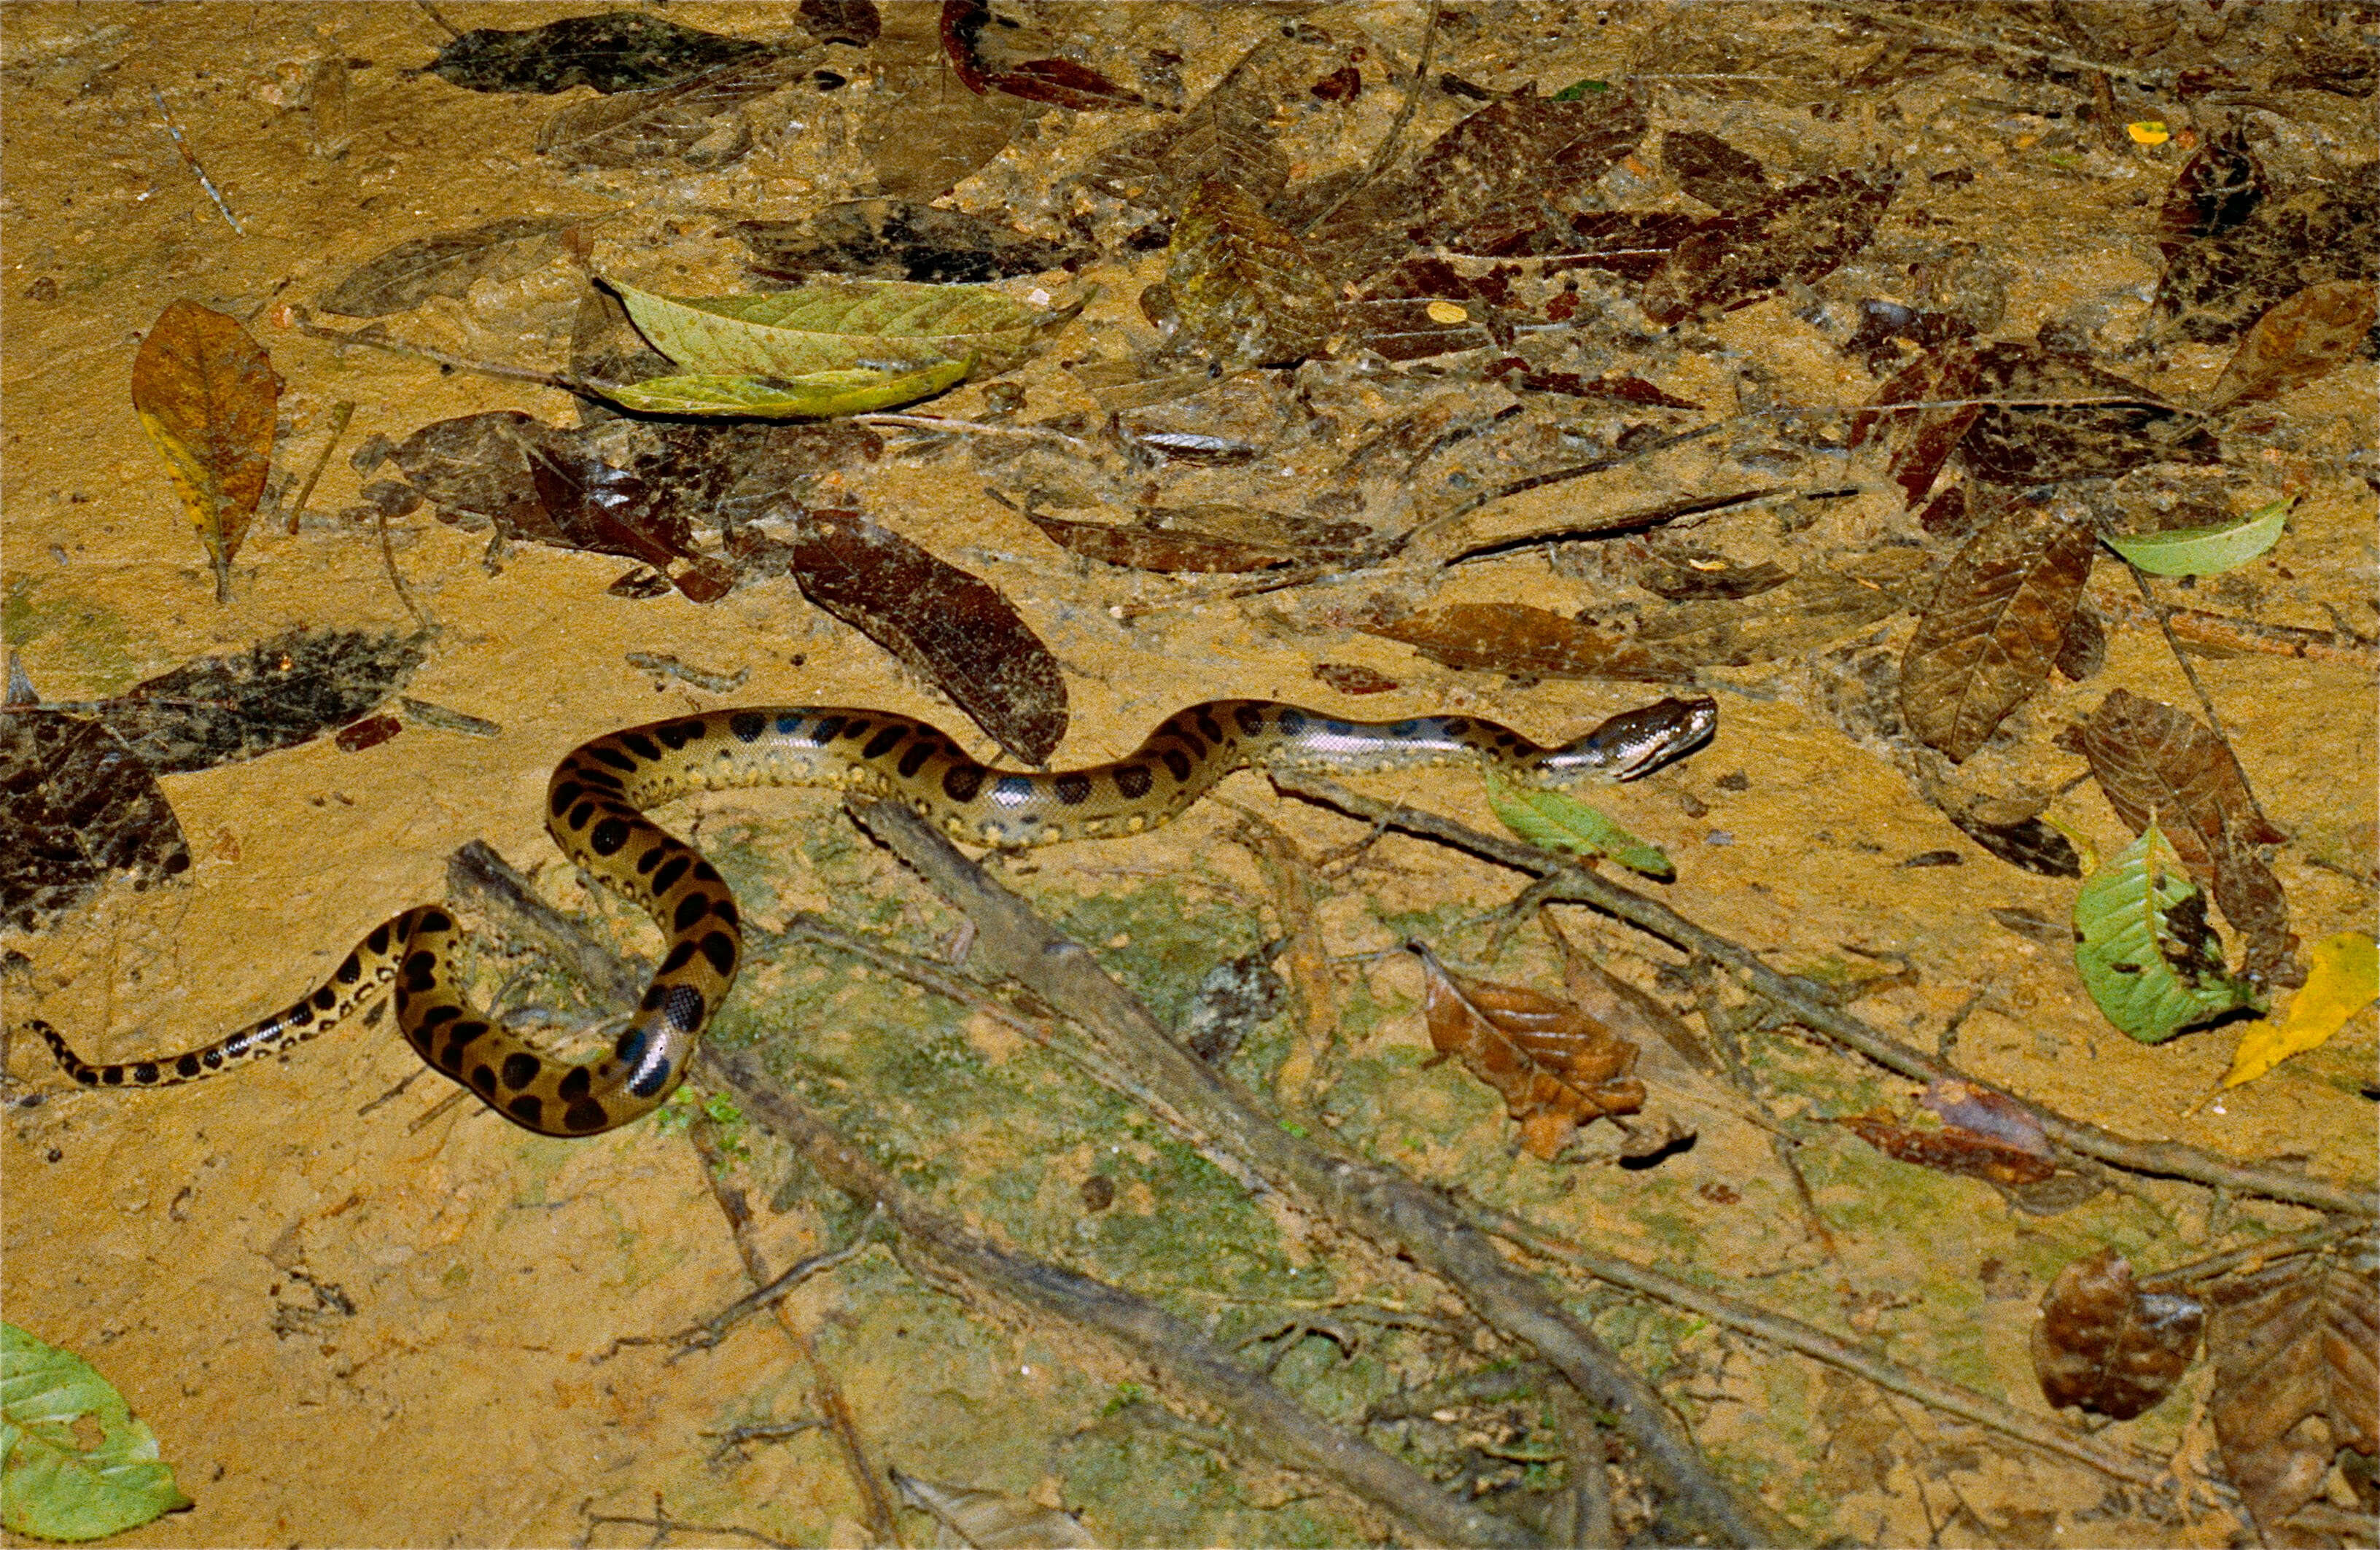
<point x="206" y="393"/>
<point x="1242" y="287"/>
<point x="1531" y="643"/>
<point x="1802" y="233"/>
<point x="2300" y="340"/>
<point x="953" y="629"/>
<point x="2106" y="1345"/>
<point x="1995" y="625"/>
<point x="447" y="264"/>
<point x="77" y="805"/>
<point x="2296" y="1376"/>
<point x="1556" y="1067"/>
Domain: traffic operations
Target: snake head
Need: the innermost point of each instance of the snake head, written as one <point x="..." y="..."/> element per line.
<point x="1632" y="742"/>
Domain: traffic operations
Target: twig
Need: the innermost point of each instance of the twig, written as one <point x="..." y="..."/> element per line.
<point x="341" y="413"/>
<point x="1386" y="149"/>
<point x="2255" y="1254"/>
<point x="192" y="162"/>
<point x="1379" y="1203"/>
<point x="1902" y="19"/>
<point x="370" y="340"/>
<point x="2170" y="1159"/>
<point x="966" y="427"/>
<point x="388" y="557"/>
<point x="431" y="12"/>
<point x="663" y="1525"/>
<point x="2205" y="700"/>
<point x="711" y="1331"/>
<point x="736" y="1438"/>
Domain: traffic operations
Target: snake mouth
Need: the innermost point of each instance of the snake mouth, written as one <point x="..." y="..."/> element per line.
<point x="1634" y="742"/>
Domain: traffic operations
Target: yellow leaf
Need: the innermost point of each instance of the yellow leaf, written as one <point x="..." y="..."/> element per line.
<point x="2345" y="980"/>
<point x="1447" y="312"/>
<point x="2148" y="131"/>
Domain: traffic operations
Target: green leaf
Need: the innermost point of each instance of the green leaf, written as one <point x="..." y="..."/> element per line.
<point x="1558" y="822"/>
<point x="814" y="394"/>
<point x="873" y="325"/>
<point x="1577" y="89"/>
<point x="2207" y="550"/>
<point x="54" y="1482"/>
<point x="2143" y="946"/>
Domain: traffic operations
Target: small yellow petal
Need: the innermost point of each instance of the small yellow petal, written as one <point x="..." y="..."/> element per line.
<point x="2344" y="978"/>
<point x="1447" y="312"/>
<point x="2148" y="131"/>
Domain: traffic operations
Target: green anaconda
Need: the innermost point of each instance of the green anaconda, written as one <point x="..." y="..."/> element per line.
<point x="594" y="810"/>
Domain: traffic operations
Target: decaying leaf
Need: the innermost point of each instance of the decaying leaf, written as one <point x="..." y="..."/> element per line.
<point x="2088" y="423"/>
<point x="1211" y="539"/>
<point x="1997" y="619"/>
<point x="2214" y="287"/>
<point x="1955" y="1148"/>
<point x="2147" y="957"/>
<point x="1227" y="134"/>
<point x="896" y="239"/>
<point x="1802" y="233"/>
<point x="279" y="693"/>
<point x="1233" y="1000"/>
<point x="2300" y="340"/>
<point x="695" y="120"/>
<point x="1712" y="170"/>
<point x="448" y="264"/>
<point x="1558" y="822"/>
<point x="2344" y="978"/>
<point x="1821" y="604"/>
<point x="611" y="51"/>
<point x="2296" y="1377"/>
<point x="1923" y="439"/>
<point x="77" y="805"/>
<point x="812" y="395"/>
<point x="989" y="1520"/>
<point x="2028" y="843"/>
<point x="1556" y="1067"/>
<point x="206" y="393"/>
<point x="80" y="1465"/>
<point x="2207" y="550"/>
<point x="1354" y="678"/>
<point x="855" y="22"/>
<point x="875" y="325"/>
<point x="951" y="628"/>
<point x="2106" y="1345"/>
<point x="1242" y="287"/>
<point x="993" y="63"/>
<point x="598" y="506"/>
<point x="2217" y="189"/>
<point x="1531" y="643"/>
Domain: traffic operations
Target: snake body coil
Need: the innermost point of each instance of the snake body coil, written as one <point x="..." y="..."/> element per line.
<point x="594" y="810"/>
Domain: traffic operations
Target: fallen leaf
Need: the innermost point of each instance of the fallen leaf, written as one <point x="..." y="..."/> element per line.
<point x="598" y="506"/>
<point x="611" y="51"/>
<point x="2147" y="957"/>
<point x="1411" y="328"/>
<point x="281" y="692"/>
<point x="81" y="1465"/>
<point x="1801" y="233"/>
<point x="1556" y="1067"/>
<point x="2028" y="843"/>
<point x="2296" y="1377"/>
<point x="813" y="394"/>
<point x="1821" y="604"/>
<point x="2217" y="189"/>
<point x="1531" y="643"/>
<point x="2344" y="979"/>
<point x="1986" y="640"/>
<point x="369" y="732"/>
<point x="1921" y="440"/>
<point x="2104" y="1344"/>
<point x="2297" y="341"/>
<point x="921" y="132"/>
<point x="1353" y="678"/>
<point x="991" y="63"/>
<point x="896" y="239"/>
<point x="447" y="264"/>
<point x="855" y="22"/>
<point x="1242" y="287"/>
<point x="2023" y="444"/>
<point x="1227" y="134"/>
<point x="1713" y="171"/>
<point x="1176" y="543"/>
<point x="2214" y="287"/>
<point x="951" y="628"/>
<point x="2207" y="550"/>
<point x="991" y="1521"/>
<point x="206" y="393"/>
<point x="1555" y="820"/>
<point x="77" y="805"/>
<point x="696" y="121"/>
<point x="877" y="325"/>
<point x="1952" y="1149"/>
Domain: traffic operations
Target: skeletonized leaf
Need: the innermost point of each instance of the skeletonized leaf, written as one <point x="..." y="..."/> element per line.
<point x="79" y="1464"/>
<point x="1822" y="603"/>
<point x="2207" y="550"/>
<point x="1556" y="1067"/>
<point x="693" y="120"/>
<point x="279" y="693"/>
<point x="613" y="51"/>
<point x="2149" y="960"/>
<point x="1802" y="233"/>
<point x="206" y="393"/>
<point x="1558" y="822"/>
<point x="2296" y="1342"/>
<point x="447" y="264"/>
<point x="814" y="394"/>
<point x="1242" y="285"/>
<point x="2343" y="980"/>
<point x="991" y="1521"/>
<point x="952" y="628"/>
<point x="2300" y="340"/>
<point x="1988" y="637"/>
<point x="77" y="805"/>
<point x="1531" y="643"/>
<point x="2104" y="1344"/>
<point x="2216" y="190"/>
<point x="1228" y="133"/>
<point x="879" y="325"/>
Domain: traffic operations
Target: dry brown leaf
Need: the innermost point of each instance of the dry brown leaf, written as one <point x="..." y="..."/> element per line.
<point x="1802" y="233"/>
<point x="1994" y="627"/>
<point x="1240" y="285"/>
<point x="1556" y="1067"/>
<point x="2297" y="1370"/>
<point x="1531" y="643"/>
<point x="2104" y="1344"/>
<point x="2299" y="341"/>
<point x="1952" y="1149"/>
<point x="206" y="393"/>
<point x="1822" y="603"/>
<point x="1923" y="439"/>
<point x="954" y="629"/>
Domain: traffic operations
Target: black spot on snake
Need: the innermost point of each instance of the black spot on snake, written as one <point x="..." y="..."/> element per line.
<point x="608" y="836"/>
<point x="746" y="726"/>
<point x="648" y="1086"/>
<point x="915" y="760"/>
<point x="574" y="1084"/>
<point x="325" y="998"/>
<point x="583" y="1115"/>
<point x="451" y="1058"/>
<point x="113" y="1077"/>
<point x="1208" y="727"/>
<point x="1133" y="780"/>
<point x="1073" y="790"/>
<point x="882" y="743"/>
<point x="642" y="746"/>
<point x="212" y="1058"/>
<point x="298" y="1015"/>
<point x="612" y="757"/>
<point x="788" y="725"/>
<point x="826" y="729"/>
<point x="377" y="943"/>
<point x="579" y="815"/>
<point x="528" y="1109"/>
<point x="680" y="955"/>
<point x="725" y="911"/>
<point x="443" y="1013"/>
<point x="685" y="1008"/>
<point x="350" y="970"/>
<point x="520" y="1070"/>
<point x="1177" y="764"/>
<point x="691" y="730"/>
<point x="1251" y="720"/>
<point x="650" y="859"/>
<point x="666" y="879"/>
<point x="719" y="948"/>
<point x="692" y="907"/>
<point x="187" y="1065"/>
<point x="961" y="781"/>
<point x="601" y="779"/>
<point x="144" y="1072"/>
<point x="1014" y="785"/>
<point x="434" y="920"/>
<point x="464" y="1031"/>
<point x="858" y="727"/>
<point x="1291" y="721"/>
<point x="631" y="1046"/>
<point x="484" y="1080"/>
<point x="704" y="872"/>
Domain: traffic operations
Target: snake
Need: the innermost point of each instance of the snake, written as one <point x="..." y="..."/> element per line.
<point x="600" y="792"/>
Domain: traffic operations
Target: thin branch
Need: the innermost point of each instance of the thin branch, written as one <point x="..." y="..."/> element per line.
<point x="341" y="413"/>
<point x="192" y="162"/>
<point x="2224" y="632"/>
<point x="2169" y="1159"/>
<point x="1386" y="149"/>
